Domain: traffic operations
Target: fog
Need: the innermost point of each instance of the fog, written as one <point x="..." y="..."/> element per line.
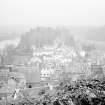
<point x="52" y="12"/>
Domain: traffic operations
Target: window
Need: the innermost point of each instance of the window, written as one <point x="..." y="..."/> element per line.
<point x="30" y="86"/>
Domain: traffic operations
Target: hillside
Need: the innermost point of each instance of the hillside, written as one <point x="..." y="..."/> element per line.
<point x="85" y="32"/>
<point x="89" y="33"/>
<point x="97" y="34"/>
<point x="94" y="34"/>
<point x="11" y="32"/>
<point x="42" y="36"/>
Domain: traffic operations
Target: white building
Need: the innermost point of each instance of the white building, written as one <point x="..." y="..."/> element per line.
<point x="46" y="73"/>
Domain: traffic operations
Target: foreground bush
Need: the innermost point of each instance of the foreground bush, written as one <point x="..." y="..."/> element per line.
<point x="81" y="92"/>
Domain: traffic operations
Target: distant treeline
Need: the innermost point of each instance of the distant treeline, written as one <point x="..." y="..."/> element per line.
<point x="42" y="36"/>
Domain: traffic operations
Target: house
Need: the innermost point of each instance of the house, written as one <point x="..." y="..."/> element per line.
<point x="97" y="70"/>
<point x="33" y="78"/>
<point x="35" y="61"/>
<point x="47" y="72"/>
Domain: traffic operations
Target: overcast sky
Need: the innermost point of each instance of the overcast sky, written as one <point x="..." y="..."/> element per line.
<point x="52" y="12"/>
